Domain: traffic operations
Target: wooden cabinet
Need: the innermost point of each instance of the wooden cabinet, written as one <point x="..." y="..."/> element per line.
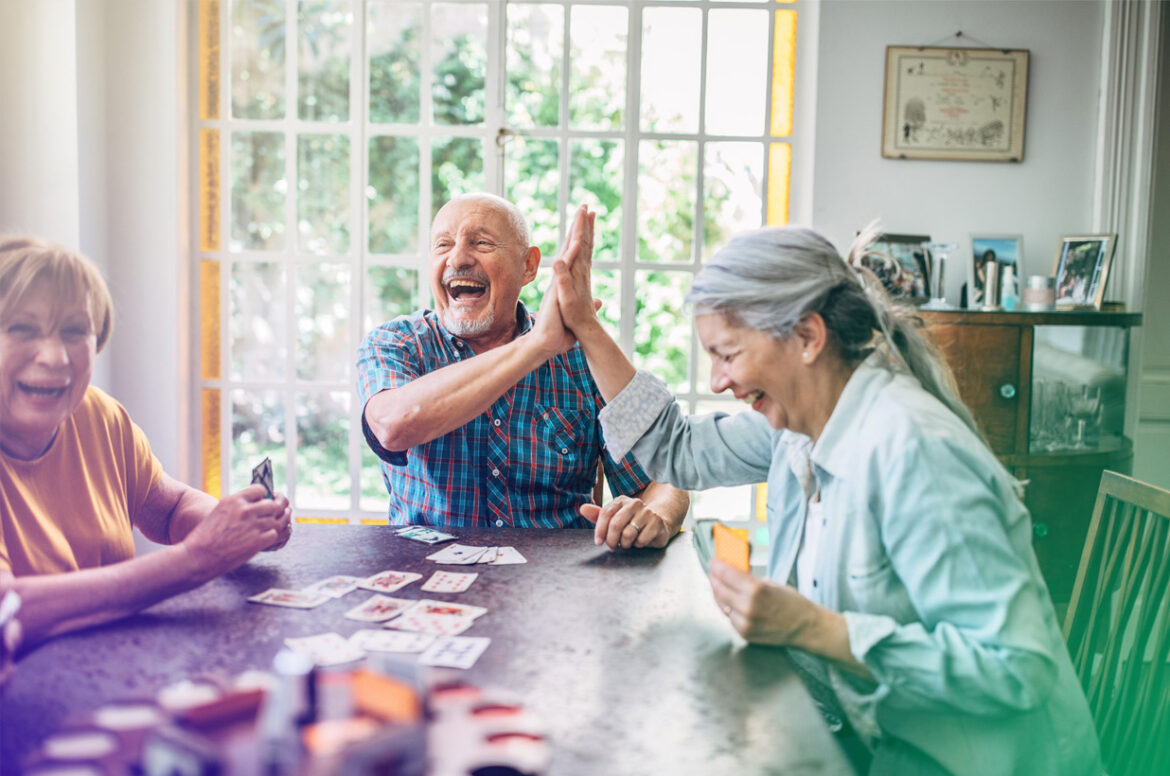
<point x="999" y="359"/>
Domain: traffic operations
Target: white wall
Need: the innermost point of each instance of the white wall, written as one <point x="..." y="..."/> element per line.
<point x="91" y="157"/>
<point x="1152" y="440"/>
<point x="1048" y="194"/>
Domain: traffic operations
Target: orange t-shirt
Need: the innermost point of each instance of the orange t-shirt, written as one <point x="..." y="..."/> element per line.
<point x="74" y="507"/>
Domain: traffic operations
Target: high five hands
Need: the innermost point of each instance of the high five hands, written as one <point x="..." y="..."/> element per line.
<point x="568" y="306"/>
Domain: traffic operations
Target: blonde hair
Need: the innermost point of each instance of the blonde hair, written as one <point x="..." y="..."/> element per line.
<point x="26" y="260"/>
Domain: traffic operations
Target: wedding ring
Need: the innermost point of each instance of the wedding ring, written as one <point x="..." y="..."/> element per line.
<point x="637" y="527"/>
<point x="727" y="610"/>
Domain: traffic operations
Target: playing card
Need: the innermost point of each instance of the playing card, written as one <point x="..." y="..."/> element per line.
<point x="438" y="624"/>
<point x="458" y="554"/>
<point x="427" y="606"/>
<point x="391" y="640"/>
<point x="389" y="581"/>
<point x="379" y="608"/>
<point x="454" y="651"/>
<point x="420" y="533"/>
<point x="262" y="474"/>
<point x="448" y="582"/>
<point x="334" y="587"/>
<point x="489" y="555"/>
<point x="326" y="649"/>
<point x="296" y="599"/>
<point x="731" y="546"/>
<point x="508" y="556"/>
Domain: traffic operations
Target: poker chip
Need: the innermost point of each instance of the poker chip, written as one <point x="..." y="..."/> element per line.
<point x="127" y="716"/>
<point x="79" y="745"/>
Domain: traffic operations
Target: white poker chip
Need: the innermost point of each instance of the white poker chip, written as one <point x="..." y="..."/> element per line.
<point x="79" y="745"/>
<point x="65" y="769"/>
<point x="128" y="716"/>
<point x="186" y="694"/>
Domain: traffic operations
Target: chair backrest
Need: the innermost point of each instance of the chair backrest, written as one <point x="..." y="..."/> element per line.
<point x="599" y="484"/>
<point x="1118" y="624"/>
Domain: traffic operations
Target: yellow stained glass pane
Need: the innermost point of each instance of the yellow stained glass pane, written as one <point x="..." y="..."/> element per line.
<point x="375" y="521"/>
<point x="779" y="173"/>
<point x="212" y="463"/>
<point x="762" y="502"/>
<point x="783" y="72"/>
<point x="323" y="520"/>
<point x="209" y="190"/>
<point x="208" y="59"/>
<point x="209" y="318"/>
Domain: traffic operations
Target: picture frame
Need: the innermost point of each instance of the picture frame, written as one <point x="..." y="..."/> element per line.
<point x="1081" y="269"/>
<point x="1004" y="249"/>
<point x="967" y="104"/>
<point x="902" y="264"/>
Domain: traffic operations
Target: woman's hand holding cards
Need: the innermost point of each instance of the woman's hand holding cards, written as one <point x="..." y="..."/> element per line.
<point x="237" y="528"/>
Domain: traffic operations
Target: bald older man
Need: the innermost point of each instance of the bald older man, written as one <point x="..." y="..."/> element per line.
<point x="484" y="414"/>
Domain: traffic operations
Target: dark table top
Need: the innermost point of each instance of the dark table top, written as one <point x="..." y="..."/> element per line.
<point x="624" y="655"/>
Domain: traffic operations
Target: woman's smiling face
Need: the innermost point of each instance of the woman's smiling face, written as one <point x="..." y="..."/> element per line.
<point x="755" y="366"/>
<point x="47" y="349"/>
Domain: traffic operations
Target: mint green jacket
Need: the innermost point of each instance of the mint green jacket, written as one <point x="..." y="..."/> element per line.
<point x="926" y="551"/>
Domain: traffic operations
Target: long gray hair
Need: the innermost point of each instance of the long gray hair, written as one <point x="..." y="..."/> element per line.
<point x="770" y="279"/>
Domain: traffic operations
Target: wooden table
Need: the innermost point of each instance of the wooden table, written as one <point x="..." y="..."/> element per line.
<point x="623" y="655"/>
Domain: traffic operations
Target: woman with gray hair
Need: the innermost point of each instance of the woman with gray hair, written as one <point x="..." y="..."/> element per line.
<point x="900" y="565"/>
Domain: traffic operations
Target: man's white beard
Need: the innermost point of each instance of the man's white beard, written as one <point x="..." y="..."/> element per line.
<point x="462" y="327"/>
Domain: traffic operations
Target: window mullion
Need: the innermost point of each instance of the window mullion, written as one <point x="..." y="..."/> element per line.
<point x="629" y="245"/>
<point x="359" y="99"/>
<point x="291" y="54"/>
<point x="495" y="85"/>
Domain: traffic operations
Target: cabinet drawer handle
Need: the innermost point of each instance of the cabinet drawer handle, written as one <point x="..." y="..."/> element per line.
<point x="1040" y="529"/>
<point x="1007" y="391"/>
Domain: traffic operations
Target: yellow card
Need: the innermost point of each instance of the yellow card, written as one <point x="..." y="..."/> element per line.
<point x="731" y="546"/>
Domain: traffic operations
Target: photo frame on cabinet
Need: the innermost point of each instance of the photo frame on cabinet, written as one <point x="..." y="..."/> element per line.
<point x="901" y="263"/>
<point x="1004" y="249"/>
<point x="955" y="103"/>
<point x="1081" y="269"/>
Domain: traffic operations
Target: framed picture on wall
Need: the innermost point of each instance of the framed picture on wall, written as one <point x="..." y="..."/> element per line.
<point x="1002" y="249"/>
<point x="901" y="263"/>
<point x="955" y="103"/>
<point x="1081" y="269"/>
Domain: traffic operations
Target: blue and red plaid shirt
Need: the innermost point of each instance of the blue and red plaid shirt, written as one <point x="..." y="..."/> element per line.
<point x="528" y="462"/>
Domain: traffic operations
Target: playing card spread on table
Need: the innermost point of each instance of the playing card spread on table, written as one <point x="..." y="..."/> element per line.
<point x="508" y="556"/>
<point x="454" y="651"/>
<point x="448" y="582"/>
<point x="379" y="608"/>
<point x="421" y="533"/>
<point x="732" y="547"/>
<point x="262" y="474"/>
<point x="334" y="587"/>
<point x="326" y="649"/>
<point x="427" y="606"/>
<point x="438" y="624"/>
<point x="388" y="581"/>
<point x="296" y="599"/>
<point x="391" y="640"/>
<point x="459" y="554"/>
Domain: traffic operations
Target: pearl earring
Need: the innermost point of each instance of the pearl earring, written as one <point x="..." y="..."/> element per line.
<point x="804" y="355"/>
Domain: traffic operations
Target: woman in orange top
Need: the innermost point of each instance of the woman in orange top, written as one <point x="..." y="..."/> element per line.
<point x="76" y="474"/>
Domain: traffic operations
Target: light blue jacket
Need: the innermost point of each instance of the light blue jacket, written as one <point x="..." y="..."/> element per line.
<point x="927" y="552"/>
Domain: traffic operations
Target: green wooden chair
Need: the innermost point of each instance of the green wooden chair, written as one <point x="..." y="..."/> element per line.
<point x="1118" y="625"/>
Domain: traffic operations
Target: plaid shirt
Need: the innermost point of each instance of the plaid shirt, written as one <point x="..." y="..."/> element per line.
<point x="529" y="461"/>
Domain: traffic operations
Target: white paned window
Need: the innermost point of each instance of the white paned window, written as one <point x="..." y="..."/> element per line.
<point x="330" y="131"/>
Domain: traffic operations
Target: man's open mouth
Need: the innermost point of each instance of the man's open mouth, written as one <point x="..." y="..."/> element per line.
<point x="464" y="288"/>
